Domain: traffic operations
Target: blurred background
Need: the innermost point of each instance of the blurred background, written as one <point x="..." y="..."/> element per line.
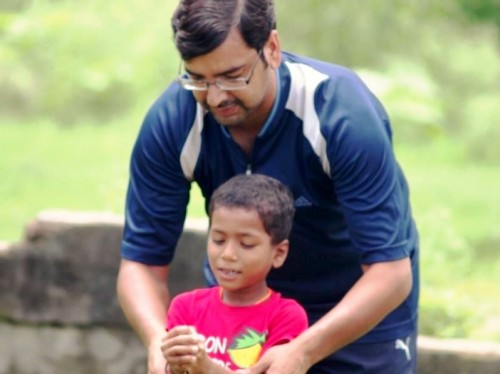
<point x="76" y="78"/>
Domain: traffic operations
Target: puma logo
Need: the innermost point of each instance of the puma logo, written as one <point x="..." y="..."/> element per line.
<point x="405" y="346"/>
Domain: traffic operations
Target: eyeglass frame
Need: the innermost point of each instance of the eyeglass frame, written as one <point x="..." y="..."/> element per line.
<point x="184" y="81"/>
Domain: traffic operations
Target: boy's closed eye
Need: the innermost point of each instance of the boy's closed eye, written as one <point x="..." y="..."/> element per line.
<point x="217" y="241"/>
<point x="247" y="245"/>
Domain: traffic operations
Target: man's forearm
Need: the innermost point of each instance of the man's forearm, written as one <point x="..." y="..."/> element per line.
<point x="381" y="289"/>
<point x="143" y="295"/>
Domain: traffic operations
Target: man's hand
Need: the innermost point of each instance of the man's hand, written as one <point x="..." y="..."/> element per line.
<point x="156" y="361"/>
<point x="280" y="359"/>
<point x="184" y="349"/>
<point x="143" y="295"/>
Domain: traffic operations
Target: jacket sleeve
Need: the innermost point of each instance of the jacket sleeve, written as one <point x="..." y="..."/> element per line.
<point x="158" y="191"/>
<point x="369" y="184"/>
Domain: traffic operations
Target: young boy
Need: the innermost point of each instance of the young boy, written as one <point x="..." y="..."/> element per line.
<point x="228" y="327"/>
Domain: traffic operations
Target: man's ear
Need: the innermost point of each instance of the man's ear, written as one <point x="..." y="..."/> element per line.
<point x="272" y="50"/>
<point x="280" y="253"/>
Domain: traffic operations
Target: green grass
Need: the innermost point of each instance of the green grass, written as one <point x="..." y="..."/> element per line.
<point x="457" y="208"/>
<point x="456" y="205"/>
<point x="441" y="177"/>
<point x="82" y="167"/>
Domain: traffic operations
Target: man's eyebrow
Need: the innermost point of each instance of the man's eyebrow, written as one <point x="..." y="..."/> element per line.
<point x="225" y="72"/>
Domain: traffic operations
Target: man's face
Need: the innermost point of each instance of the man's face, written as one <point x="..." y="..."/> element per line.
<point x="234" y="59"/>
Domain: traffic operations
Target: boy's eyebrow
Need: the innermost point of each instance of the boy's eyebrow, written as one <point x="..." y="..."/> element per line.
<point x="221" y="231"/>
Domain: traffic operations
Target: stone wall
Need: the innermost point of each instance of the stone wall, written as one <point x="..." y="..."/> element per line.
<point x="59" y="312"/>
<point x="58" y="307"/>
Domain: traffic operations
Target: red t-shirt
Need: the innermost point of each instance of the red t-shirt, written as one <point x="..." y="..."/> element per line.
<point x="236" y="336"/>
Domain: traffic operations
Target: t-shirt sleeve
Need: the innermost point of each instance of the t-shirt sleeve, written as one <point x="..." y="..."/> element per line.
<point x="178" y="312"/>
<point x="287" y="323"/>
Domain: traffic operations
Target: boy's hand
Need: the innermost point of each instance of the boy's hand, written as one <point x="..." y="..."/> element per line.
<point x="184" y="350"/>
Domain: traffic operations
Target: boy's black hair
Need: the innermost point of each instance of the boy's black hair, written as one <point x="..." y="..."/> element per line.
<point x="270" y="198"/>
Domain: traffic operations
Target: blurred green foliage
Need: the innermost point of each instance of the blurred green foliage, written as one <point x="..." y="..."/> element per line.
<point x="77" y="61"/>
<point x="482" y="10"/>
<point x="438" y="74"/>
<point x="434" y="64"/>
<point x="446" y="315"/>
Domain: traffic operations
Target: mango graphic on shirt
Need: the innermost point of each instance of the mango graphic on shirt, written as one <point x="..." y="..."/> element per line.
<point x="245" y="349"/>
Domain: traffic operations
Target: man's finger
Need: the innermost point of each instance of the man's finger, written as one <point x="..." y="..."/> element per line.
<point x="257" y="368"/>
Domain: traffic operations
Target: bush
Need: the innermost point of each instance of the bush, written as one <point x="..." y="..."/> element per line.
<point x="441" y="72"/>
<point x="444" y="314"/>
<point x="482" y="114"/>
<point x="79" y="61"/>
<point x="411" y="98"/>
<point x="465" y="67"/>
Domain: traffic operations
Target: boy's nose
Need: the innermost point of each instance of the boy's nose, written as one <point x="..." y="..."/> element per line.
<point x="229" y="252"/>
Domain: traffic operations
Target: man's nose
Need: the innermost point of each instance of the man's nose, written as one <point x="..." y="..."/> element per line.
<point x="215" y="96"/>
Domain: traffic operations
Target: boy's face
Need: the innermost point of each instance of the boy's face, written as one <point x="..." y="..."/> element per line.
<point x="241" y="255"/>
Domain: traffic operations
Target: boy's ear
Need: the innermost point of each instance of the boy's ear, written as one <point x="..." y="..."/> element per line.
<point x="280" y="253"/>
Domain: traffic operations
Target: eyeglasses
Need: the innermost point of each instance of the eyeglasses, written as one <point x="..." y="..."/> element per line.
<point x="224" y="84"/>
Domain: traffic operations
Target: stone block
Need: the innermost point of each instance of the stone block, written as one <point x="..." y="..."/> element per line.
<point x="29" y="349"/>
<point x="457" y="356"/>
<point x="64" y="272"/>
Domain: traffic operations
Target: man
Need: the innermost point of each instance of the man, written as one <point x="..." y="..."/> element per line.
<point x="241" y="105"/>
